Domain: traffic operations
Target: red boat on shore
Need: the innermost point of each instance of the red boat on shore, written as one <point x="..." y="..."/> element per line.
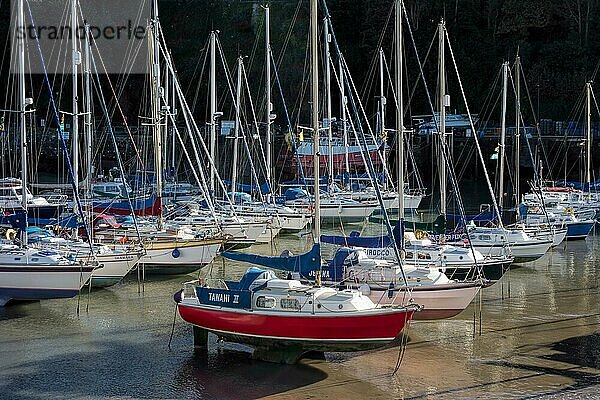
<point x="262" y="310"/>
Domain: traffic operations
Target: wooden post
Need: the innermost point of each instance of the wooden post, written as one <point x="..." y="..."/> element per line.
<point x="200" y="339"/>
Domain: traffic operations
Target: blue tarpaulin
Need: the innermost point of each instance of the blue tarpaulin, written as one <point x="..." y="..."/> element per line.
<point x="265" y="188"/>
<point x="303" y="263"/>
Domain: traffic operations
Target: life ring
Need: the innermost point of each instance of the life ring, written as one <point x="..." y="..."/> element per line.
<point x="123" y="239"/>
<point x="569" y="211"/>
<point x="420" y="235"/>
<point x="11" y="234"/>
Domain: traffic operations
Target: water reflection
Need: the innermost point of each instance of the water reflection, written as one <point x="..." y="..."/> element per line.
<point x="540" y="336"/>
<point x="233" y="374"/>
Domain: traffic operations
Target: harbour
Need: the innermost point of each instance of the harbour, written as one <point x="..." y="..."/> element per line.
<point x="181" y="222"/>
<point x="538" y="338"/>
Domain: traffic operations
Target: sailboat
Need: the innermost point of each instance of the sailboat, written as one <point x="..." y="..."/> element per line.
<point x="371" y="264"/>
<point x="169" y="252"/>
<point x="28" y="273"/>
<point x="565" y="206"/>
<point x="264" y="311"/>
<point x="344" y="204"/>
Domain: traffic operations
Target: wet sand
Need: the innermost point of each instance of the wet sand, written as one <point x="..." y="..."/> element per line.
<point x="540" y="338"/>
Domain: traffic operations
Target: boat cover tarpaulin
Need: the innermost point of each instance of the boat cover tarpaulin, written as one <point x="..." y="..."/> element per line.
<point x="148" y="206"/>
<point x="355" y="240"/>
<point x="302" y="264"/>
<point x="481" y="217"/>
<point x="370" y="242"/>
<point x="265" y="188"/>
<point x="17" y="220"/>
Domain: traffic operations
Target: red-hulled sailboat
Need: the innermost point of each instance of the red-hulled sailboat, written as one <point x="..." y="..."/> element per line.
<point x="263" y="310"/>
<point x="287" y="315"/>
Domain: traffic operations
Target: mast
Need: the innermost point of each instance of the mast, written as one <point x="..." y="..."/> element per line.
<point x="87" y="69"/>
<point x="22" y="109"/>
<point x="382" y="102"/>
<point x="328" y="110"/>
<point x="399" y="111"/>
<point x="156" y="109"/>
<point x="442" y="110"/>
<point x="238" y="97"/>
<point x="165" y="123"/>
<point x="213" y="108"/>
<point x="268" y="96"/>
<point x="502" y="137"/>
<point x="344" y="101"/>
<point x="173" y="130"/>
<point x="315" y="113"/>
<point x="75" y="61"/>
<point x="588" y="170"/>
<point x="518" y="132"/>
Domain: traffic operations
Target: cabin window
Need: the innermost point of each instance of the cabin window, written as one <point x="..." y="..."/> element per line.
<point x="265" y="302"/>
<point x="17" y="258"/>
<point x="409" y="255"/>
<point x="34" y="259"/>
<point x="290" y="304"/>
<point x="424" y="256"/>
<point x="485" y="237"/>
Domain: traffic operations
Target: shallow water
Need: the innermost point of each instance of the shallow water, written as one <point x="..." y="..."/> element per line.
<point x="540" y="337"/>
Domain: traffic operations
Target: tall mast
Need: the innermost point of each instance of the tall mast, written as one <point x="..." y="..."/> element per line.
<point x="173" y="132"/>
<point x="382" y="102"/>
<point x="213" y="107"/>
<point x="75" y="61"/>
<point x="502" y="137"/>
<point x="315" y="113"/>
<point x="87" y="69"/>
<point x="442" y="110"/>
<point x="328" y="110"/>
<point x="399" y="110"/>
<point x="518" y="132"/>
<point x="165" y="123"/>
<point x="156" y="109"/>
<point x="22" y="110"/>
<point x="268" y="95"/>
<point x="343" y="102"/>
<point x="588" y="171"/>
<point x="238" y="98"/>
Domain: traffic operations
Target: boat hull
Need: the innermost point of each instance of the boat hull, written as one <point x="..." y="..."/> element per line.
<point x="331" y="332"/>
<point x="438" y="302"/>
<point x="579" y="230"/>
<point x="522" y="252"/>
<point x="176" y="258"/>
<point x="39" y="212"/>
<point x="349" y="212"/>
<point x="292" y="223"/>
<point x="268" y="235"/>
<point x="41" y="282"/>
<point x="113" y="268"/>
<point x="492" y="270"/>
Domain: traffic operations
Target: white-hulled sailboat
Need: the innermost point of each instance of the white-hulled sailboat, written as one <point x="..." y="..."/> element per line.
<point x="28" y="273"/>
